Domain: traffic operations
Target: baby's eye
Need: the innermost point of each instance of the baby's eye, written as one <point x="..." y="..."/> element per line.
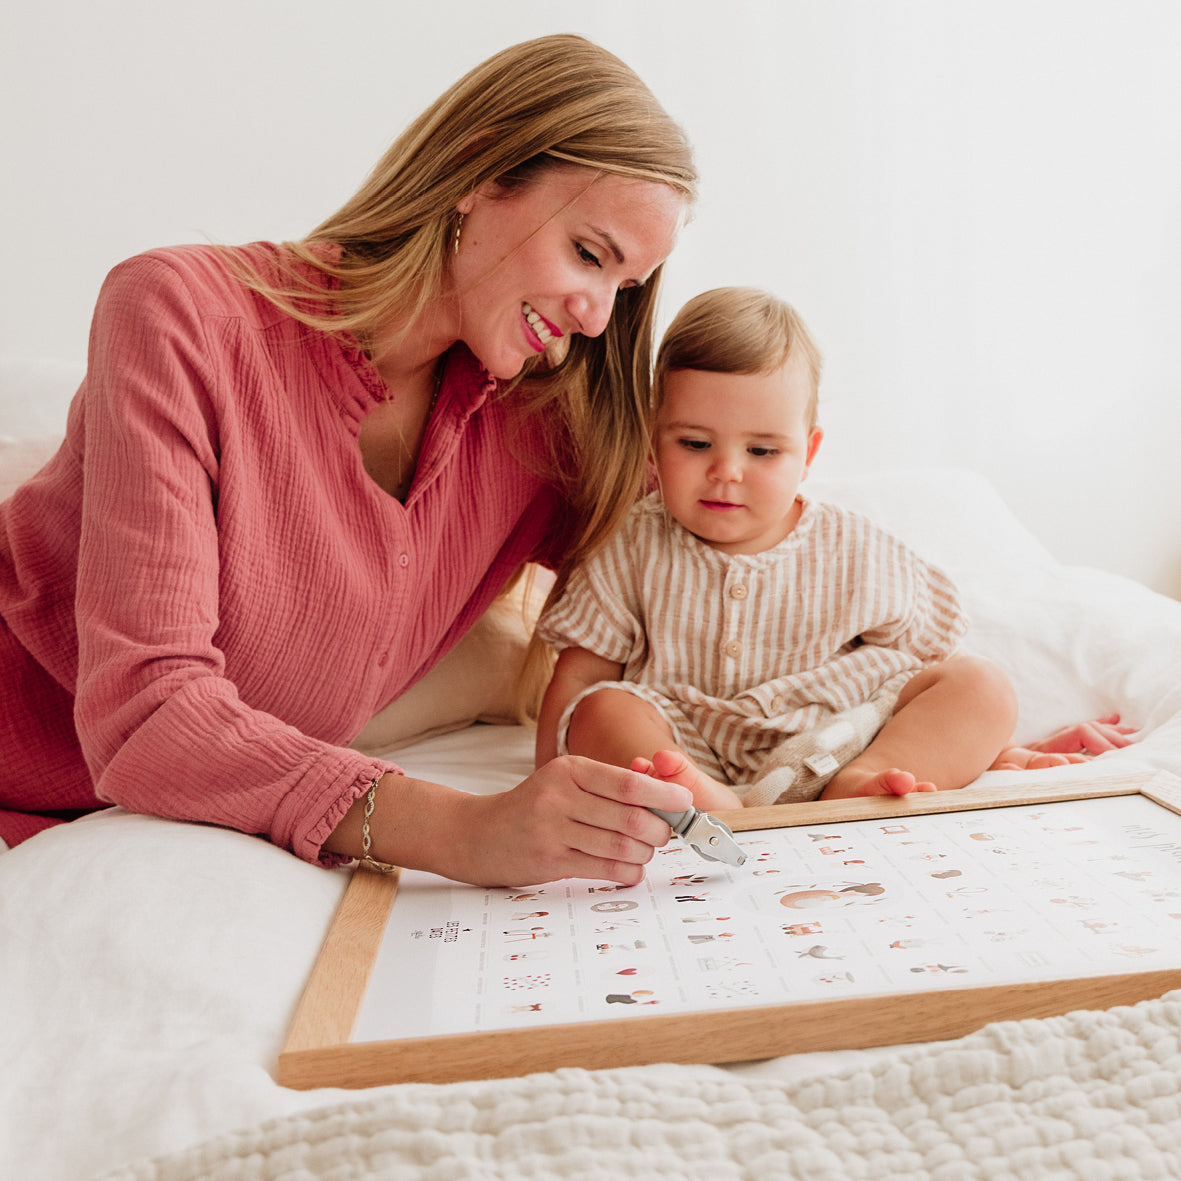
<point x="586" y="256"/>
<point x="693" y="444"/>
<point x="763" y="451"/>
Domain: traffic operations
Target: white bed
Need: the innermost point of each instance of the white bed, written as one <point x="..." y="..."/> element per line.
<point x="149" y="970"/>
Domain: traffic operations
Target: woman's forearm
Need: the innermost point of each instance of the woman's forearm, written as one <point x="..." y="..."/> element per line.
<point x="415" y="824"/>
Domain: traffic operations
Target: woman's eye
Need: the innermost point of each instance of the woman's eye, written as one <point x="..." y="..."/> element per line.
<point x="585" y="255"/>
<point x="693" y="444"/>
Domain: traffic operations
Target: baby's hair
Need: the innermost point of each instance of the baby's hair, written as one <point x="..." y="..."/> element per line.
<point x="737" y="330"/>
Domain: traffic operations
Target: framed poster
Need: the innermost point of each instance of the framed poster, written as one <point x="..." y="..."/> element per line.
<point x="853" y="923"/>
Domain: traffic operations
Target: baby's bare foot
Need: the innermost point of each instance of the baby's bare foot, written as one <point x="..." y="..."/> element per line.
<point x="673" y="766"/>
<point x="853" y="782"/>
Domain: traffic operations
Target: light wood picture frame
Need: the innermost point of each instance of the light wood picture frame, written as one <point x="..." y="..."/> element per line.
<point x="319" y="1050"/>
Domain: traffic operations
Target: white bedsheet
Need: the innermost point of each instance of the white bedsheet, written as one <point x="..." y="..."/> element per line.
<point x="149" y="970"/>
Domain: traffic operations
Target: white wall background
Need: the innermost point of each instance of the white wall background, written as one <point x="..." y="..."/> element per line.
<point x="975" y="205"/>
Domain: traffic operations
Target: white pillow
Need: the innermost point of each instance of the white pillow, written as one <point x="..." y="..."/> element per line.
<point x="22" y="458"/>
<point x="35" y="394"/>
<point x="1077" y="643"/>
<point x="952" y="517"/>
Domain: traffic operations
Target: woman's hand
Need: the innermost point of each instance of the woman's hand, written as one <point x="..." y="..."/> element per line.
<point x="572" y="818"/>
<point x="1071" y="744"/>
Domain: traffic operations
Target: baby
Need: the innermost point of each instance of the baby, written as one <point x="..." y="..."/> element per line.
<point x="743" y="640"/>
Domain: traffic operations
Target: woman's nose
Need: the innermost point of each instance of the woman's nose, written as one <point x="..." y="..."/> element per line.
<point x="592" y="309"/>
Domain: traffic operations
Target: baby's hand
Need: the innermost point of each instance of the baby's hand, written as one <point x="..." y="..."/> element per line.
<point x="1087" y="738"/>
<point x="1071" y="744"/>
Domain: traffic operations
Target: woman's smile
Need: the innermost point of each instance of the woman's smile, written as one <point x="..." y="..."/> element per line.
<point x="545" y="259"/>
<point x="538" y="328"/>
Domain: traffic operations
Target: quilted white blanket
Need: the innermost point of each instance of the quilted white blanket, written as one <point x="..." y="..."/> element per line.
<point x="1090" y="1095"/>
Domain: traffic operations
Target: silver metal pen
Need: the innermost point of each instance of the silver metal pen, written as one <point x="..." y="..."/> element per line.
<point x="712" y="839"/>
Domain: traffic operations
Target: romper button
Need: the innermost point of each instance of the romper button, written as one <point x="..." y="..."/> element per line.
<point x="738" y="591"/>
<point x="403" y="559"/>
<point x="732" y="647"/>
<point x="777" y="704"/>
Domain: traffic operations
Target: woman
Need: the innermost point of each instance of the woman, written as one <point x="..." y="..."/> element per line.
<point x="295" y="476"/>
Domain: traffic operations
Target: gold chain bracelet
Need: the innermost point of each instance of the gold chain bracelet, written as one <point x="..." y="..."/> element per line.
<point x="367" y="859"/>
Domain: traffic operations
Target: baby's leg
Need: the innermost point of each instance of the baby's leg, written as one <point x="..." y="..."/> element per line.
<point x="948" y="725"/>
<point x="615" y="726"/>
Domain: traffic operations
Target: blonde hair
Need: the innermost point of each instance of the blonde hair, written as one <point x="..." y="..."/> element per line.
<point x="555" y="101"/>
<point x="737" y="330"/>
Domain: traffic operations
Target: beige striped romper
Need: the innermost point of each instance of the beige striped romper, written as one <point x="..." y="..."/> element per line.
<point x="781" y="664"/>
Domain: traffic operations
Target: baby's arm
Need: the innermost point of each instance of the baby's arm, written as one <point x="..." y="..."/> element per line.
<point x="576" y="669"/>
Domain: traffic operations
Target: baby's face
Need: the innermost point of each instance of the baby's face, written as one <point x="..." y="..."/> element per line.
<point x="731" y="451"/>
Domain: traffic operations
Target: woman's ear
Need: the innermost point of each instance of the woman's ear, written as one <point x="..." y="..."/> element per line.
<point x="651" y="474"/>
<point x="490" y="190"/>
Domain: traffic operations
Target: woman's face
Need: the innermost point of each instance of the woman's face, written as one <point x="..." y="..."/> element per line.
<point x="545" y="259"/>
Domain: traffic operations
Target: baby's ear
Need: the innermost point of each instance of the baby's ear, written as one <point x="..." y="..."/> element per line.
<point x="814" y="440"/>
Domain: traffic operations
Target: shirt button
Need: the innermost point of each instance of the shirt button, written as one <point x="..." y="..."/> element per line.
<point x="403" y="560"/>
<point x="738" y="591"/>
<point x="777" y="705"/>
<point x="732" y="648"/>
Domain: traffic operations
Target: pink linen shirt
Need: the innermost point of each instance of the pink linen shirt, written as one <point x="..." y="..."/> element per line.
<point x="203" y="595"/>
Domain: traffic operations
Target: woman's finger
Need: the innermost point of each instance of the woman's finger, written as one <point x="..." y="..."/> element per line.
<point x="624" y="785"/>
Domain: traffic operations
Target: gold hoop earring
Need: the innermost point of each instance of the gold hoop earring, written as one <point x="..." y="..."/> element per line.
<point x="458" y="229"/>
